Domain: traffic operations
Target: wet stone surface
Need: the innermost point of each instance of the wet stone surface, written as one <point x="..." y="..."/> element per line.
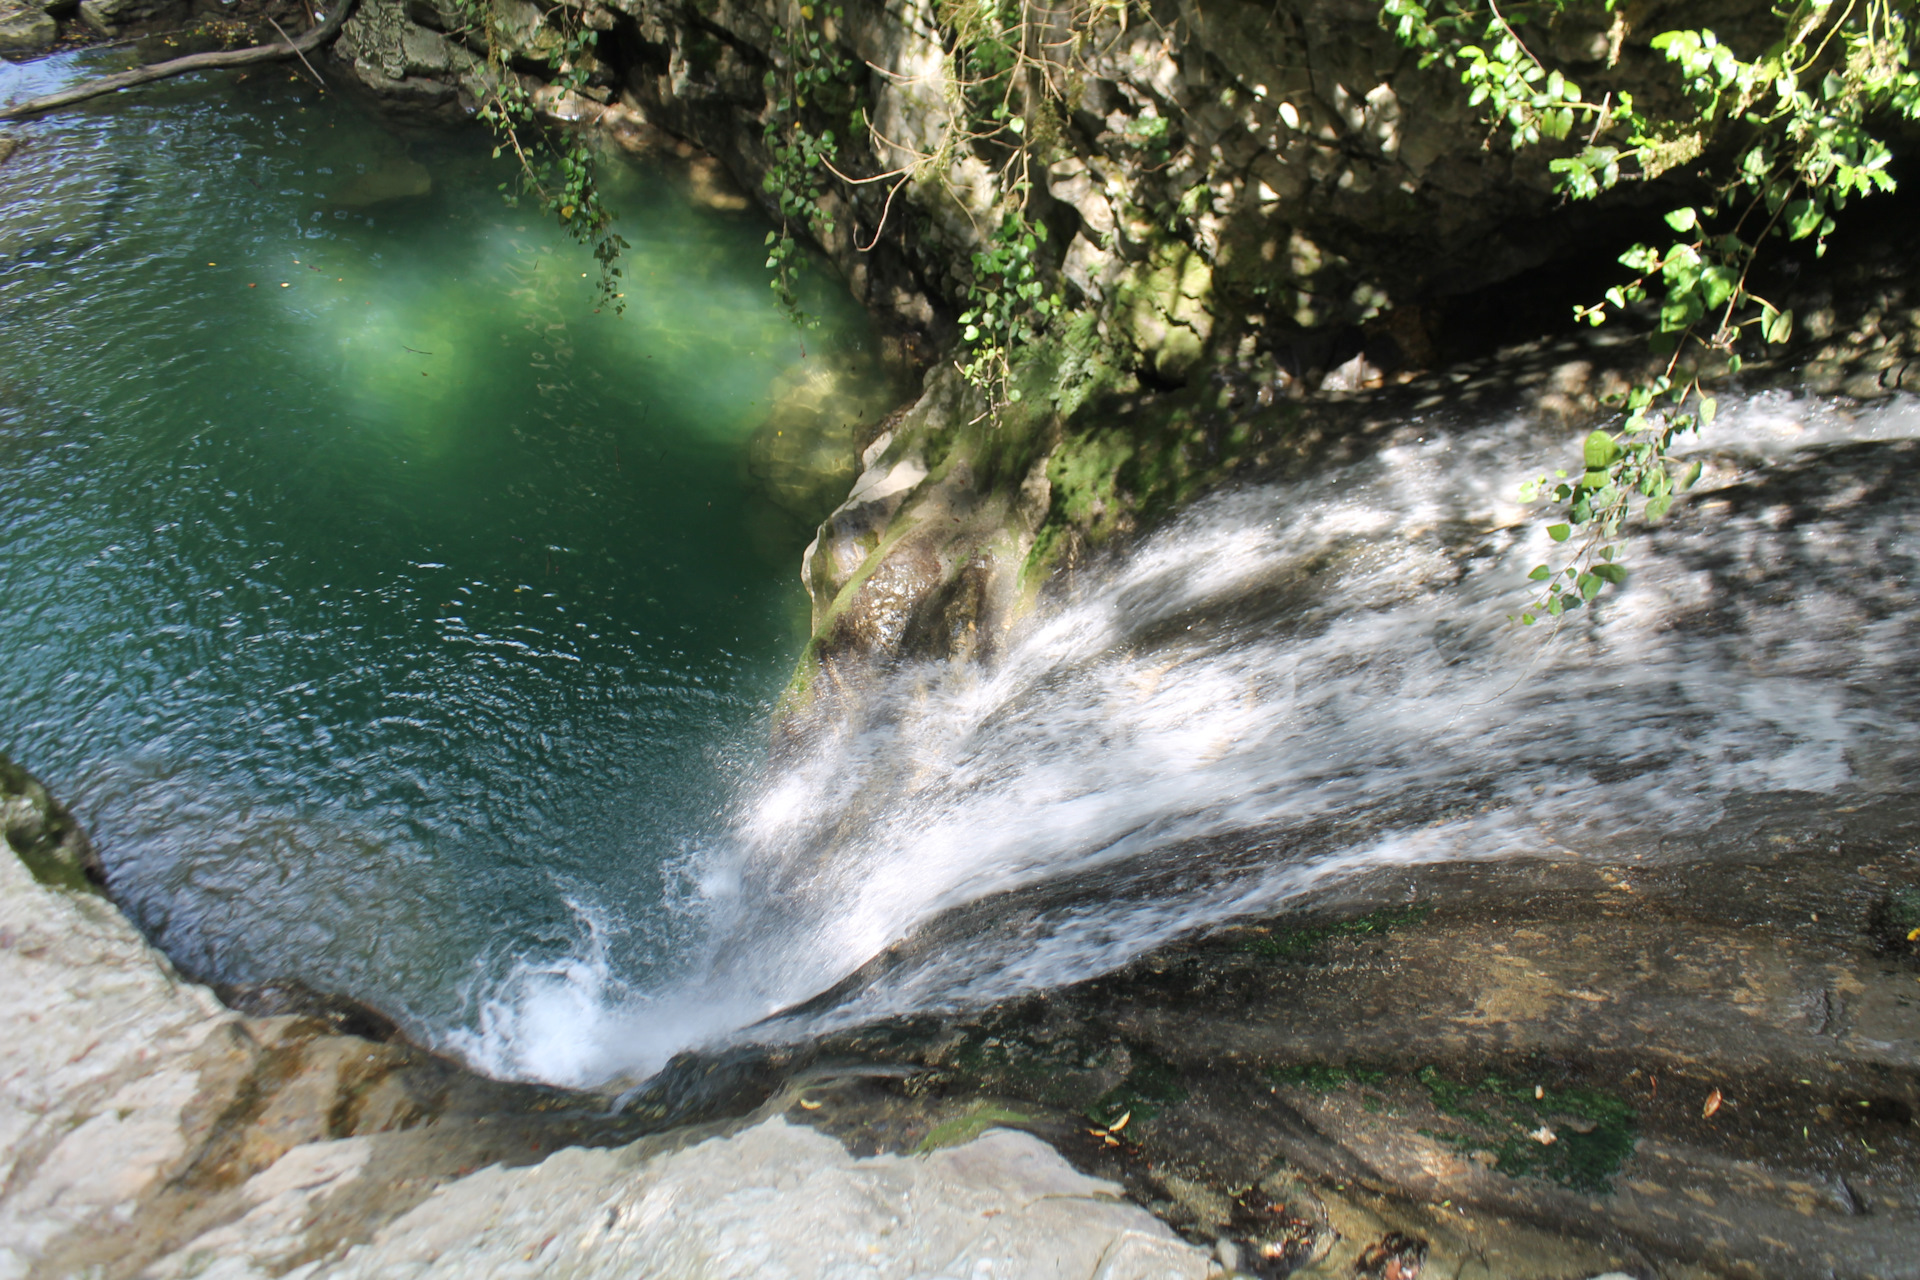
<point x="1530" y="1068"/>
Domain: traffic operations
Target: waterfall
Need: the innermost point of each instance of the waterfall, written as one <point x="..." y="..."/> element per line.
<point x="1294" y="682"/>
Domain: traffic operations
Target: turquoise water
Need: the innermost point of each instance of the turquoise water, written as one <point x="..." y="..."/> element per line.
<point x="391" y="617"/>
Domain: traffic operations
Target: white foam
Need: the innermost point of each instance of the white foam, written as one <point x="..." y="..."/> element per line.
<point x="1367" y="706"/>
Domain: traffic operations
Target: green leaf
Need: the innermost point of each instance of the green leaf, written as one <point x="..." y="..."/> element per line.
<point x="1658" y="507"/>
<point x="1708" y="408"/>
<point x="1541" y="574"/>
<point x="1803" y="219"/>
<point x="1691" y="477"/>
<point x="1614" y="573"/>
<point x="1683" y="219"/>
<point x="1601" y="450"/>
<point x="1717" y="285"/>
<point x="1559" y="532"/>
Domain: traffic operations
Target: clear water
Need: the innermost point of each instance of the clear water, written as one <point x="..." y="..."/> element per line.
<point x="379" y="605"/>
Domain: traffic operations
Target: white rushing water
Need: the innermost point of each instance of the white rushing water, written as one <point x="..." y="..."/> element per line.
<point x="1292" y="682"/>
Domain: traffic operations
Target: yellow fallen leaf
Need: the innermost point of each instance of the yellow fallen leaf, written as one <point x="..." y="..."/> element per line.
<point x="1545" y="1136"/>
<point x="1120" y="1124"/>
<point x="1712" y="1104"/>
<point x="807" y="1104"/>
<point x="1914" y="936"/>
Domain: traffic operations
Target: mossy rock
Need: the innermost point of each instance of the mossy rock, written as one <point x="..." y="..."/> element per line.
<point x="44" y="835"/>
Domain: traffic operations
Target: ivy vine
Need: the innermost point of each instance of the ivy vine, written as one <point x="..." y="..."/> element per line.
<point x="1009" y="71"/>
<point x="809" y="72"/>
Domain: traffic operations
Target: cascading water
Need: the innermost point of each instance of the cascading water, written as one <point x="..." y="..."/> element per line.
<point x="397" y="625"/>
<point x="1291" y="683"/>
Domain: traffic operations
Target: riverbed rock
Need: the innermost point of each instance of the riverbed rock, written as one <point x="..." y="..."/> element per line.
<point x="115" y="17"/>
<point x="1698" y="1061"/>
<point x="805" y="454"/>
<point x="26" y="27"/>
<point x="387" y="178"/>
<point x="146" y="1129"/>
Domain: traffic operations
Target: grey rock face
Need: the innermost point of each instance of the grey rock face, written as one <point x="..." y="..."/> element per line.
<point x="26" y="28"/>
<point x="111" y="17"/>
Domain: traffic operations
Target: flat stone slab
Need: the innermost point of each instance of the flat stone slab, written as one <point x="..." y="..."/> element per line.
<point x="774" y="1201"/>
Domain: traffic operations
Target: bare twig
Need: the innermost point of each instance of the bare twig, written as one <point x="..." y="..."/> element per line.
<point x="303" y="57"/>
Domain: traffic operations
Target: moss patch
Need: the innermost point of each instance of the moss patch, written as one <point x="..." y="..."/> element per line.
<point x="1151" y="1085"/>
<point x="965" y="1128"/>
<point x="1591" y="1132"/>
<point x="1322" y="1078"/>
<point x="1293" y="944"/>
<point x="1899" y="920"/>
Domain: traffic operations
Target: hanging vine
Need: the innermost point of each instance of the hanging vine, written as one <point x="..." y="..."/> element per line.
<point x="1011" y="64"/>
<point x="555" y="167"/>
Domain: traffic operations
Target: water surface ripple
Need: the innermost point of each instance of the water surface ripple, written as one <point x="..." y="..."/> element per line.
<point x="380" y="606"/>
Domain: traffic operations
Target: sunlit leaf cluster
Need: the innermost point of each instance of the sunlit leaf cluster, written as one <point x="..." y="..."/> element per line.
<point x="1783" y="139"/>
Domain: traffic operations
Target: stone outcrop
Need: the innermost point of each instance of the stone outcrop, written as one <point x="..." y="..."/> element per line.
<point x="26" y="27"/>
<point x="1698" y="1062"/>
<point x="146" y="1129"/>
<point x="774" y="1199"/>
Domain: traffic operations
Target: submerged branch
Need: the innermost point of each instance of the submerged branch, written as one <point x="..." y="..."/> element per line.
<point x="300" y="47"/>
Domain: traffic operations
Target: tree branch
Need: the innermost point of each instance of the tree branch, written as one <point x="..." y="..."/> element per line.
<point x="307" y="41"/>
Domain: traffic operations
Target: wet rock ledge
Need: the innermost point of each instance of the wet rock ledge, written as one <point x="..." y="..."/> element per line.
<point x="1674" y="1063"/>
<point x="148" y="1129"/>
<point x="1686" y="1061"/>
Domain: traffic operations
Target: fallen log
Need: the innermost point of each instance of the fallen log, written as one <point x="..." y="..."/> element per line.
<point x="300" y="46"/>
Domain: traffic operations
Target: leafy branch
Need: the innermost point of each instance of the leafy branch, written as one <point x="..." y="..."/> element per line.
<point x="1799" y="124"/>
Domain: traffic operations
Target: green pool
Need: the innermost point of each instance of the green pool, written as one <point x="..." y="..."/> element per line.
<point x="393" y="619"/>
